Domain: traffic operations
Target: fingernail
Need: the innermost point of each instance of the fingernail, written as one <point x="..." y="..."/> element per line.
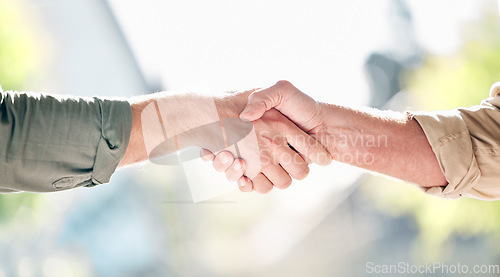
<point x="246" y="110"/>
<point x="245" y="113"/>
<point x="244" y="119"/>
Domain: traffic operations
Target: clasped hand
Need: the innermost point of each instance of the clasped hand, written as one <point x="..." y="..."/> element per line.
<point x="285" y="148"/>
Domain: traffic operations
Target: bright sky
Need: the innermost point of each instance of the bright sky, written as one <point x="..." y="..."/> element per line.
<point x="234" y="44"/>
<point x="319" y="46"/>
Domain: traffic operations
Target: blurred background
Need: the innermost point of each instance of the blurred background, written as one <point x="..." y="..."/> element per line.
<point x="389" y="54"/>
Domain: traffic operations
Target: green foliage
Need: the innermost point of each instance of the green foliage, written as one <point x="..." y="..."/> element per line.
<point x="16" y="62"/>
<point x="462" y="79"/>
<point x="16" y="47"/>
<point x="438" y="220"/>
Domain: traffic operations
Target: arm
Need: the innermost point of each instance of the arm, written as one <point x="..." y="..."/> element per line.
<point x="166" y="115"/>
<point x="160" y="116"/>
<point x="50" y="143"/>
<point x="267" y="160"/>
<point x="386" y="142"/>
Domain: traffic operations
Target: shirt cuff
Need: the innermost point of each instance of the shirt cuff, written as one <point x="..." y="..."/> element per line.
<point x="116" y="118"/>
<point x="450" y="140"/>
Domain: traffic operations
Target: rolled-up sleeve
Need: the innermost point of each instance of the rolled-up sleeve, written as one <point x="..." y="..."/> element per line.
<point x="466" y="142"/>
<point x="50" y="143"/>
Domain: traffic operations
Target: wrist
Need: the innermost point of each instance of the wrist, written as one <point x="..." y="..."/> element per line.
<point x="336" y="129"/>
<point x="184" y="119"/>
<point x="231" y="104"/>
<point x="136" y="151"/>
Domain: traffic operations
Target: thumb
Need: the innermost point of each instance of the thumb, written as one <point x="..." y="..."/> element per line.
<point x="254" y="110"/>
<point x="259" y="102"/>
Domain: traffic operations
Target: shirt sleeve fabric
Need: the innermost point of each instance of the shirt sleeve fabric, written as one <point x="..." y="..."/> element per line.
<point x="466" y="142"/>
<point x="51" y="143"/>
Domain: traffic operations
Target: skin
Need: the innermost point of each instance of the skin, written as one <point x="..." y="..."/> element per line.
<point x="269" y="158"/>
<point x="386" y="142"/>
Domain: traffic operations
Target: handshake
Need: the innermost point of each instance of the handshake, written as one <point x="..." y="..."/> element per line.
<point x="287" y="125"/>
<point x="265" y="137"/>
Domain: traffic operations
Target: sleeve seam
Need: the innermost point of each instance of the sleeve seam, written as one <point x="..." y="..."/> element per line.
<point x="449" y="138"/>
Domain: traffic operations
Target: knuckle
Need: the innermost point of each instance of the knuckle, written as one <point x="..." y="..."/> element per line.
<point x="310" y="147"/>
<point x="273" y="123"/>
<point x="285" y="183"/>
<point x="266" y="158"/>
<point x="263" y="188"/>
<point x="302" y="174"/>
<point x="230" y="175"/>
<point x="278" y="123"/>
<point x="273" y="146"/>
<point x="283" y="84"/>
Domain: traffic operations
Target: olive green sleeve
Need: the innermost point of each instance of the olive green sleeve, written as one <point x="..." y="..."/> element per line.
<point x="51" y="143"/>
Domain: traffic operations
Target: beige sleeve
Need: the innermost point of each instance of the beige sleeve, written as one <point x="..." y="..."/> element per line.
<point x="466" y="142"/>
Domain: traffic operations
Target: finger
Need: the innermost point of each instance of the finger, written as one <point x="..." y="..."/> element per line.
<point x="308" y="161"/>
<point x="292" y="162"/>
<point x="206" y="155"/>
<point x="307" y="146"/>
<point x="236" y="170"/>
<point x="286" y="98"/>
<point x="222" y="161"/>
<point x="277" y="176"/>
<point x="245" y="184"/>
<point x="261" y="184"/>
<point x="249" y="148"/>
<point x="254" y="110"/>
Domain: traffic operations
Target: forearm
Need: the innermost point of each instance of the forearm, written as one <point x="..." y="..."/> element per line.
<point x="177" y="117"/>
<point x="385" y="142"/>
<point x="136" y="150"/>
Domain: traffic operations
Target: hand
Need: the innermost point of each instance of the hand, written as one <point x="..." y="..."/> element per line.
<point x="386" y="142"/>
<point x="297" y="106"/>
<point x="314" y="118"/>
<point x="275" y="134"/>
<point x="286" y="98"/>
<point x="167" y="122"/>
